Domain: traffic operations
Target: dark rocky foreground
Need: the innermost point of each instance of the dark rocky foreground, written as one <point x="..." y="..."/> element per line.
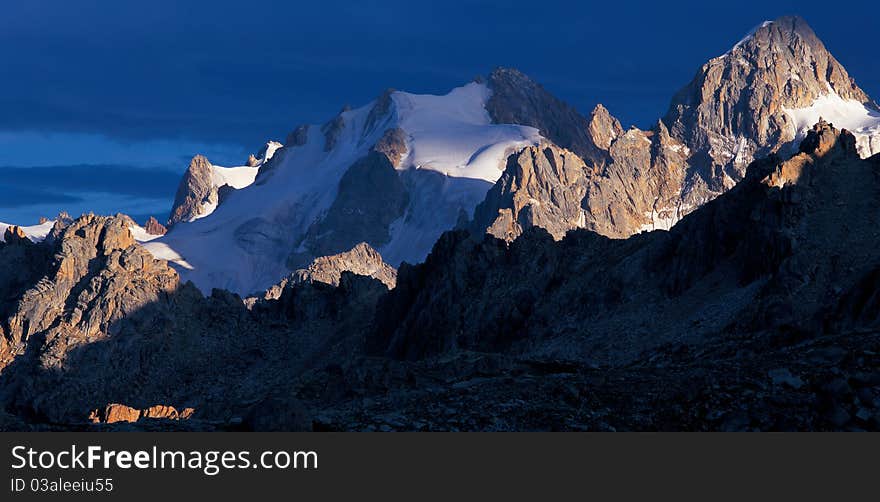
<point x="760" y="310"/>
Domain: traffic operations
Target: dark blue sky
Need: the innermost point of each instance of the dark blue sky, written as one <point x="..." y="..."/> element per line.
<point x="151" y="83"/>
<point x="242" y="71"/>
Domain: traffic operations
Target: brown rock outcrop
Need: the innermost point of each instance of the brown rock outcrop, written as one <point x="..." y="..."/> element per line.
<point x="98" y="275"/>
<point x="541" y="186"/>
<point x="114" y="413"/>
<point x="393" y="145"/>
<point x="153" y="227"/>
<point x="640" y="188"/>
<point x="15" y="235"/>
<point x="361" y="259"/>
<point x="195" y="190"/>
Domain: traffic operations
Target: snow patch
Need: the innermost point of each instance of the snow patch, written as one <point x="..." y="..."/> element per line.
<point x="454" y="135"/>
<point x="140" y="234"/>
<point x="35" y="233"/>
<point x="236" y="177"/>
<point x="848" y="114"/>
<point x="163" y="251"/>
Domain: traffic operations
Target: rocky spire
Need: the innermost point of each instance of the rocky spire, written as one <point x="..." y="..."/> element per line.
<point x="196" y="188"/>
<point x="603" y="127"/>
<point x="517" y="99"/>
<point x="153" y="227"/>
<point x="735" y="107"/>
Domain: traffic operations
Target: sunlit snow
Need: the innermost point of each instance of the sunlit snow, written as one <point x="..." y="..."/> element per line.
<point x="849" y="114"/>
<point x="454" y="155"/>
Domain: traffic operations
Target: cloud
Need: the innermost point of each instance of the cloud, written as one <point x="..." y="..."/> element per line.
<point x="30" y="148"/>
<point x="28" y="193"/>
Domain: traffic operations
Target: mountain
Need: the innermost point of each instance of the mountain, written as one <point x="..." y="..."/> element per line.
<point x="395" y="173"/>
<point x="759" y="97"/>
<point x="402" y="169"/>
<point x="769" y="253"/>
<point x="489" y="259"/>
<point x="757" y="311"/>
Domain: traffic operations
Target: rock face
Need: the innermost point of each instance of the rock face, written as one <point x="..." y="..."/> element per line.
<point x="640" y="188"/>
<point x="541" y="186"/>
<point x="97" y="320"/>
<point x="114" y="413"/>
<point x="629" y="181"/>
<point x="735" y="108"/>
<point x="195" y="190"/>
<point x="14" y="235"/>
<point x="516" y="99"/>
<point x="637" y="189"/>
<point x="153" y="227"/>
<point x="370" y="197"/>
<point x="96" y="277"/>
<point x="603" y="128"/>
<point x="361" y="259"/>
<point x="393" y="145"/>
<point x="766" y="255"/>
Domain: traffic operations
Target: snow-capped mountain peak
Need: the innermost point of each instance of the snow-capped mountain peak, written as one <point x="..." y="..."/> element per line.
<point x="329" y="191"/>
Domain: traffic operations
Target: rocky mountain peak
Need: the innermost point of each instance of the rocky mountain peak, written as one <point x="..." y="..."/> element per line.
<point x="756" y="99"/>
<point x="789" y="44"/>
<point x="823" y="138"/>
<point x="517" y="99"/>
<point x="542" y="186"/>
<point x="153" y="227"/>
<point x="195" y="188"/>
<point x="604" y="128"/>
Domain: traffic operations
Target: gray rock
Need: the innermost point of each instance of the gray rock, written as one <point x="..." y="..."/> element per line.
<point x="361" y="259"/>
<point x="370" y="197"/>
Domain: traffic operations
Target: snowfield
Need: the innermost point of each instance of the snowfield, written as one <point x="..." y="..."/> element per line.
<point x="454" y="155"/>
<point x="237" y="177"/>
<point x="849" y="114"/>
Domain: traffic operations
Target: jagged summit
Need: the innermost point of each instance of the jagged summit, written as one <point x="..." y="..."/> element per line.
<point x="762" y="95"/>
<point x="517" y="99"/>
<point x="790" y="44"/>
